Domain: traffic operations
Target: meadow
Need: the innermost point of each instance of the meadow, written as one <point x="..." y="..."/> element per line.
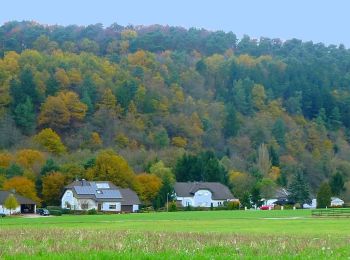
<point x="177" y="235"/>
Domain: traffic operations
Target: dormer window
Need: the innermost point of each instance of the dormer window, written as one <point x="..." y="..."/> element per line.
<point x="99" y="191"/>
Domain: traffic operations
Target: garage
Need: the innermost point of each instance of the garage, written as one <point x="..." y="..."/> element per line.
<point x="25" y="205"/>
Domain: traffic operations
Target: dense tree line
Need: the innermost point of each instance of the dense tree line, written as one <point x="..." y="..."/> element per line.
<point x="164" y="103"/>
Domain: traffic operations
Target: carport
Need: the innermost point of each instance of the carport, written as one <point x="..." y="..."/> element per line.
<point x="26" y="205"/>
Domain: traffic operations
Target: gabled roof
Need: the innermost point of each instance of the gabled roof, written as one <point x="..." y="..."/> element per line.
<point x="97" y="190"/>
<point x="20" y="199"/>
<point x="281" y="193"/>
<point x="129" y="197"/>
<point x="188" y="189"/>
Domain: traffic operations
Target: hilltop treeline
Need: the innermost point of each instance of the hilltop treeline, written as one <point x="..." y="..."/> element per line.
<point x="165" y="103"/>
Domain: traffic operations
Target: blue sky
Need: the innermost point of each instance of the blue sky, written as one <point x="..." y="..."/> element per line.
<point x="319" y="21"/>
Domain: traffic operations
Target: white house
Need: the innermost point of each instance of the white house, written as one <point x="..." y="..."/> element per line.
<point x="25" y="205"/>
<point x="280" y="196"/>
<point x="202" y="194"/>
<point x="313" y="204"/>
<point x="336" y="202"/>
<point x="99" y="195"/>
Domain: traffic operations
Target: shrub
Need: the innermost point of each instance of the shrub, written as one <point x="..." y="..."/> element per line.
<point x="172" y="206"/>
<point x="55" y="212"/>
<point x="53" y="208"/>
<point x="233" y="205"/>
<point x="188" y="208"/>
<point x="277" y="207"/>
<point x="66" y="211"/>
<point x="92" y="212"/>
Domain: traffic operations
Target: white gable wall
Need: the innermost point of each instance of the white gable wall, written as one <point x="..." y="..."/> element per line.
<point x="6" y="211"/>
<point x="68" y="199"/>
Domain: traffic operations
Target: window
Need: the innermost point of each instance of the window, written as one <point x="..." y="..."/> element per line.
<point x="85" y="205"/>
<point x="112" y="206"/>
<point x="99" y="191"/>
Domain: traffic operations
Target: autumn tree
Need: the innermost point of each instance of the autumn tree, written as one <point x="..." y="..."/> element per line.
<point x="147" y="186"/>
<point x="110" y="166"/>
<point x="51" y="141"/>
<point x="30" y="159"/>
<point x="263" y="163"/>
<point x="52" y="185"/>
<point x="11" y="203"/>
<point x="62" y="111"/>
<point x="22" y="186"/>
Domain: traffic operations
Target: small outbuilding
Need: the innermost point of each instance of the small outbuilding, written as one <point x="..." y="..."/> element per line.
<point x="336" y="202"/>
<point x="25" y="205"/>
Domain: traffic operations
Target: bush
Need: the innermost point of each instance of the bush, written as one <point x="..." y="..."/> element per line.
<point x="92" y="212"/>
<point x="172" y="206"/>
<point x="66" y="211"/>
<point x="233" y="205"/>
<point x="55" y="212"/>
<point x="277" y="207"/>
<point x="188" y="208"/>
<point x="53" y="208"/>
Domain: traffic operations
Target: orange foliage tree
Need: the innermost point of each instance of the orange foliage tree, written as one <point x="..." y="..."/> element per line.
<point x="23" y="186"/>
<point x="53" y="185"/>
<point x="147" y="186"/>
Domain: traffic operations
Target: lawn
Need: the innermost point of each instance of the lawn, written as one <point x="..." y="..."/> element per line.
<point x="177" y="235"/>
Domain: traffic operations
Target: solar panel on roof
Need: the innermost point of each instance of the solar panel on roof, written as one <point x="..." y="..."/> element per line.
<point x="109" y="194"/>
<point x="84" y="190"/>
<point x="102" y="185"/>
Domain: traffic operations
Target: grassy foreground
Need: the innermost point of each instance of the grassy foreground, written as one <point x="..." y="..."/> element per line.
<point x="178" y="235"/>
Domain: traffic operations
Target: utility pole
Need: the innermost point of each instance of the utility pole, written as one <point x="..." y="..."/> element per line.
<point x="167" y="202"/>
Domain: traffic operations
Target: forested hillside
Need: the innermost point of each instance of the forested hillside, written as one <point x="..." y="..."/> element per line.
<point x="145" y="106"/>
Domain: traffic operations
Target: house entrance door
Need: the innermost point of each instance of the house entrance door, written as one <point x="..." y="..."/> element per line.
<point x="99" y="207"/>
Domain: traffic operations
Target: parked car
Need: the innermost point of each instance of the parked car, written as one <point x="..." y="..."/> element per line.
<point x="43" y="212"/>
<point x="266" y="207"/>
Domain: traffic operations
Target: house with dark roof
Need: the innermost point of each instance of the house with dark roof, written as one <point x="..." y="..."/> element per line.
<point x="279" y="197"/>
<point x="202" y="194"/>
<point x="25" y="205"/>
<point x="99" y="195"/>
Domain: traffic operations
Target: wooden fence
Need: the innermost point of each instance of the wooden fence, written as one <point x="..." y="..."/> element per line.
<point x="331" y="212"/>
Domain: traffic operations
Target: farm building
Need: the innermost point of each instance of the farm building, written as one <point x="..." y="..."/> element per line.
<point x="202" y="194"/>
<point x="25" y="205"/>
<point x="99" y="195"/>
<point x="336" y="202"/>
<point x="279" y="197"/>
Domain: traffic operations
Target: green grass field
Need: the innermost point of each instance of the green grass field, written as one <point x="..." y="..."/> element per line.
<point x="179" y="235"/>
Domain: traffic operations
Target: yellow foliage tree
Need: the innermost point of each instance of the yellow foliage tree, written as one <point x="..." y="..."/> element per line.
<point x="23" y="186"/>
<point x="112" y="167"/>
<point x="274" y="173"/>
<point x="147" y="187"/>
<point x="54" y="113"/>
<point x="51" y="141"/>
<point x="179" y="141"/>
<point x="62" y="111"/>
<point x="62" y="78"/>
<point x="5" y="160"/>
<point x="96" y="141"/>
<point x="30" y="159"/>
<point x="53" y="185"/>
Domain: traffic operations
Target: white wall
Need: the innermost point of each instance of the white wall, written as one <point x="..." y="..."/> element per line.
<point x="185" y="201"/>
<point x="105" y="206"/>
<point x="202" y="198"/>
<point x="218" y="203"/>
<point x="135" y="208"/>
<point x="68" y="197"/>
<point x="6" y="211"/>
